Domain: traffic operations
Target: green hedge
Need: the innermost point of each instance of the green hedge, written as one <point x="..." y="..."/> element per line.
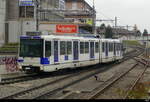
<point x="10" y="47"/>
<point x="12" y="44"/>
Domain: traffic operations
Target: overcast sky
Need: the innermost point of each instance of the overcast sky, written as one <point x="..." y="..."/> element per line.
<point x="129" y="12"/>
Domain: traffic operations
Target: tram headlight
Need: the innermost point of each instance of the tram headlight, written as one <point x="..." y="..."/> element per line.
<point x="19" y="67"/>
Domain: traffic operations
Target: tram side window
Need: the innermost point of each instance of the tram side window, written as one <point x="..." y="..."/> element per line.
<point x="96" y="47"/>
<point x="112" y="44"/>
<point x="110" y="47"/>
<point x="48" y="48"/>
<point x="103" y="47"/>
<point x="81" y="47"/>
<point x="92" y="46"/>
<point x="118" y="47"/>
<point x="121" y="47"/>
<point x="69" y="47"/>
<point x="86" y="47"/>
<point x="62" y="48"/>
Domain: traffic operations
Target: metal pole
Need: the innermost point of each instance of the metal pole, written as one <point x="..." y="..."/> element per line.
<point x="94" y="28"/>
<point x="37" y="18"/>
<point x="116" y="22"/>
<point x="0" y="78"/>
<point x="36" y="15"/>
<point x="147" y="47"/>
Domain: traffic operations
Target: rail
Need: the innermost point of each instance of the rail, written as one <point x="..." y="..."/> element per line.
<point x="137" y="80"/>
<point x="94" y="96"/>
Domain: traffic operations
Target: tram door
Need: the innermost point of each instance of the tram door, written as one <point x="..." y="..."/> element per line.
<point x="106" y="51"/>
<point x="76" y="50"/>
<point x="56" y="56"/>
<point x="91" y="49"/>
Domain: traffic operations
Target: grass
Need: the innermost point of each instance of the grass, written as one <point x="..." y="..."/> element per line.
<point x="131" y="42"/>
<point x="139" y="92"/>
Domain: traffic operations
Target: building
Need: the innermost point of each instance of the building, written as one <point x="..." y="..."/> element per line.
<point x="79" y="18"/>
<point x="2" y="21"/>
<point x="27" y="15"/>
<point x="48" y="10"/>
<point x="47" y="15"/>
<point x="119" y="33"/>
<point x="79" y="11"/>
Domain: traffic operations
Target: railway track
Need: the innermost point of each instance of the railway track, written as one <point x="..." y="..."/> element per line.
<point x="136" y="82"/>
<point x="48" y="93"/>
<point x="91" y="71"/>
<point x="107" y="86"/>
<point x="18" y="79"/>
<point x="68" y="95"/>
<point x="99" y="90"/>
<point x="25" y="78"/>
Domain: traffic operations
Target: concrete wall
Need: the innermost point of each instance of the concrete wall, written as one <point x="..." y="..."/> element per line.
<point x="74" y="4"/>
<point x="48" y="27"/>
<point x="80" y="4"/>
<point x="2" y="20"/>
<point x="12" y="10"/>
<point x="18" y="28"/>
<point x="14" y="30"/>
<point x="28" y="26"/>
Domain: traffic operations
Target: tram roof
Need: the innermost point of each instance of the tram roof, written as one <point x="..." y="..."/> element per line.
<point x="67" y="37"/>
<point x="70" y="37"/>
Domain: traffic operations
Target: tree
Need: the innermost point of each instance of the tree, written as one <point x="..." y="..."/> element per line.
<point x="145" y="33"/>
<point x="101" y="29"/>
<point x="102" y="26"/>
<point x="138" y="33"/>
<point x="109" y="33"/>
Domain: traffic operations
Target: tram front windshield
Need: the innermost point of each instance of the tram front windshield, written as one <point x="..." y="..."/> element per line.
<point x="31" y="48"/>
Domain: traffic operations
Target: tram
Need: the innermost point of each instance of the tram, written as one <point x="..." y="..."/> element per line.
<point x="48" y="53"/>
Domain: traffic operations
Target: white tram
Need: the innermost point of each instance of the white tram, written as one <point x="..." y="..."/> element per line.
<point x="51" y="52"/>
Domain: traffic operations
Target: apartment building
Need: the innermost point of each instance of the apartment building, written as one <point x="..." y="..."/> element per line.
<point x="79" y="11"/>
